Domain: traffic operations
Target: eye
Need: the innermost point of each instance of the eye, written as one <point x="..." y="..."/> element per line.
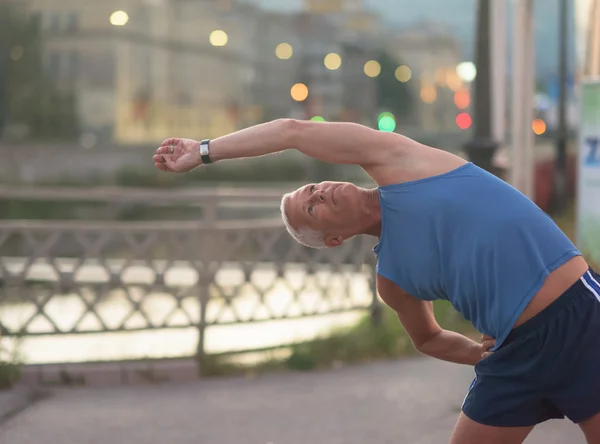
<point x="310" y="210"/>
<point x="312" y="189"/>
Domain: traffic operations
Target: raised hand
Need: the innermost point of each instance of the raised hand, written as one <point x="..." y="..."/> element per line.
<point x="178" y="155"/>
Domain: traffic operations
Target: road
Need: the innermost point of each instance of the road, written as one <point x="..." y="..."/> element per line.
<point x="413" y="401"/>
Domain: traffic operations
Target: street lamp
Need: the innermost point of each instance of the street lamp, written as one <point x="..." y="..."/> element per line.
<point x="482" y="147"/>
<point x="119" y="18"/>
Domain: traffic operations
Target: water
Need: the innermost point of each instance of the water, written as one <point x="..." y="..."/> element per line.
<point x="257" y="295"/>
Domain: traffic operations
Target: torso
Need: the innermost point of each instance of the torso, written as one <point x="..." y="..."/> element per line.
<point x="429" y="162"/>
<point x="554" y="286"/>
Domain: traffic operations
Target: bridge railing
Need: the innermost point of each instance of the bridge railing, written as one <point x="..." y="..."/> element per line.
<point x="87" y="277"/>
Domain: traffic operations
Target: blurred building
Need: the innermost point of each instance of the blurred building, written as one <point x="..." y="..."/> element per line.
<point x="323" y="54"/>
<point x="152" y="68"/>
<point x="359" y="34"/>
<point x="144" y="70"/>
<point x="432" y="56"/>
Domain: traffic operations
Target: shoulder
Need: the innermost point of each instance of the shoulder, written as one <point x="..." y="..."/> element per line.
<point x="412" y="161"/>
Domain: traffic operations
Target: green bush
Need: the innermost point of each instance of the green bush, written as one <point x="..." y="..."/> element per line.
<point x="366" y="341"/>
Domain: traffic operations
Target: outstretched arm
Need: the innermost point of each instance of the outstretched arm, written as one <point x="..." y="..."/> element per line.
<point x="332" y="142"/>
<point x="336" y="142"/>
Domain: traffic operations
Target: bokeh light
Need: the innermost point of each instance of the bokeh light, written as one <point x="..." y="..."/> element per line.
<point x="466" y="71"/>
<point x="428" y="94"/>
<point x="317" y="119"/>
<point x="16" y="52"/>
<point x="372" y="68"/>
<point x="462" y="99"/>
<point x="218" y="38"/>
<point x="464" y="121"/>
<point x="284" y="51"/>
<point x="403" y="73"/>
<point x="386" y="122"/>
<point x="119" y="18"/>
<point x="538" y="126"/>
<point x="440" y="77"/>
<point x="333" y="61"/>
<point x="299" y="92"/>
<point x="453" y="80"/>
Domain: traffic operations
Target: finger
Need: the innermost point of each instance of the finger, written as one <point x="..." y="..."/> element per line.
<point x="172" y="141"/>
<point x="161" y="166"/>
<point x="170" y="164"/>
<point x="158" y="158"/>
<point x="169" y="149"/>
<point x="485" y="337"/>
<point x="486" y="345"/>
<point x="486" y="355"/>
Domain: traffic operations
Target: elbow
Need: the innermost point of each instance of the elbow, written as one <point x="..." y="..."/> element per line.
<point x="290" y="130"/>
<point x="423" y="343"/>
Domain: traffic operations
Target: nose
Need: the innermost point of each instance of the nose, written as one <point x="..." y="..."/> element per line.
<point x="317" y="195"/>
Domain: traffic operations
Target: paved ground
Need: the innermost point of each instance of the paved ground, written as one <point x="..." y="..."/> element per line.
<point x="413" y="401"/>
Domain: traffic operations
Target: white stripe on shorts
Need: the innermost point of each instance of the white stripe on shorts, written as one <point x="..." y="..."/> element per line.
<point x="588" y="286"/>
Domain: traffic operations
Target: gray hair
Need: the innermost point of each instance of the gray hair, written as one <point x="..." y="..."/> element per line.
<point x="305" y="236"/>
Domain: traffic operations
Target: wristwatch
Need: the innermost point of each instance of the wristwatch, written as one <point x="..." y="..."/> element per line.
<point x="205" y="151"/>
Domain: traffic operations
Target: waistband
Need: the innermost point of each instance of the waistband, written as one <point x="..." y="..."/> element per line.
<point x="588" y="283"/>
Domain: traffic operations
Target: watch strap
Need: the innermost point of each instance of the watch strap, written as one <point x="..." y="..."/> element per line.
<point x="205" y="151"/>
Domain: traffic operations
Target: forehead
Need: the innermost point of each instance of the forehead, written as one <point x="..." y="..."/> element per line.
<point x="296" y="210"/>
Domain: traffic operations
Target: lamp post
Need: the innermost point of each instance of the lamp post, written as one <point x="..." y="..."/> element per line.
<point x="560" y="176"/>
<point x="482" y="147"/>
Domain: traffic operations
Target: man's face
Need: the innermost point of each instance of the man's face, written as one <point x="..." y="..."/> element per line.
<point x="332" y="208"/>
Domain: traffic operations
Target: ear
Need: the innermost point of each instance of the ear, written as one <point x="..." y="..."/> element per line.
<point x="333" y="241"/>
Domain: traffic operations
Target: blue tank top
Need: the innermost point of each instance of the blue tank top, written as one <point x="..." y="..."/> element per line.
<point x="470" y="238"/>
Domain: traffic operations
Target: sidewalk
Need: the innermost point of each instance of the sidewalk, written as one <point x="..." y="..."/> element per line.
<point x="413" y="401"/>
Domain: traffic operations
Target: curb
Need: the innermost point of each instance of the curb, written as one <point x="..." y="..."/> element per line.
<point x="18" y="399"/>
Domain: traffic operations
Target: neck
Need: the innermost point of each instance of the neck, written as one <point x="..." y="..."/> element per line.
<point x="373" y="213"/>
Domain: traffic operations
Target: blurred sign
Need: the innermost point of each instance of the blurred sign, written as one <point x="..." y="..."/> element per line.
<point x="588" y="217"/>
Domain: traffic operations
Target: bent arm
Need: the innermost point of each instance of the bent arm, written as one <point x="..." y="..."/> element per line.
<point x="427" y="336"/>
<point x="332" y="142"/>
<point x="452" y="347"/>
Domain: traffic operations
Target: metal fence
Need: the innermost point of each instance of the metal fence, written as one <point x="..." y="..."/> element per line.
<point x="67" y="277"/>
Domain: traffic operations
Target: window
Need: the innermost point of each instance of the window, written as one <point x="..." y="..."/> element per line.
<point x="73" y="67"/>
<point x="72" y="21"/>
<point x="54" y="22"/>
<point x="54" y="65"/>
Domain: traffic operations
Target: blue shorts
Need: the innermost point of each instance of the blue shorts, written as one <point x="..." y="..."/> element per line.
<point x="549" y="367"/>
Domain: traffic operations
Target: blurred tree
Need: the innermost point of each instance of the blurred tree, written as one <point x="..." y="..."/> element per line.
<point x="396" y="97"/>
<point x="28" y="96"/>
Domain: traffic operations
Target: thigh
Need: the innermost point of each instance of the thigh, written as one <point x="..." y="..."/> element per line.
<point x="468" y="431"/>
<point x="498" y="400"/>
<point x="591" y="429"/>
<point x="577" y="393"/>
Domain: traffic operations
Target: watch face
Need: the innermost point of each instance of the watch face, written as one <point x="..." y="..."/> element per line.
<point x="204" y="152"/>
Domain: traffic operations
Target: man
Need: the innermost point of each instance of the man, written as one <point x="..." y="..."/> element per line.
<point x="449" y="230"/>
